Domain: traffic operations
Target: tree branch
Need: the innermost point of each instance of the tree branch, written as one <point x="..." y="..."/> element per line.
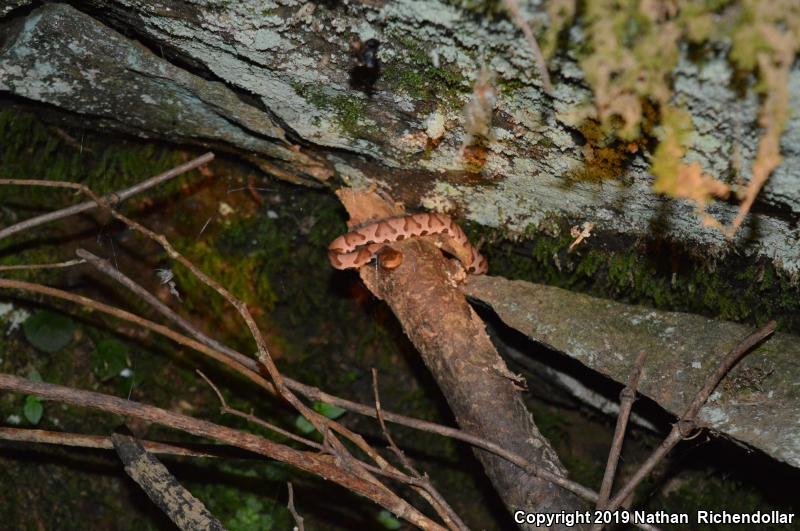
<point x="627" y="396"/>
<point x="113" y="198"/>
<point x="688" y="422"/>
<point x="314" y="463"/>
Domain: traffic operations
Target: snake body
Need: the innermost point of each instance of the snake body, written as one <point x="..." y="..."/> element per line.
<point x="359" y="246"/>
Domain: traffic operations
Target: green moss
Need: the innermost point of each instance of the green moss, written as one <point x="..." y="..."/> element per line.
<point x="349" y="111"/>
<point x="417" y="76"/>
<point x="247" y="499"/>
<point x="32" y="150"/>
<point x="509" y="86"/>
<point x="483" y="8"/>
<point x="656" y="273"/>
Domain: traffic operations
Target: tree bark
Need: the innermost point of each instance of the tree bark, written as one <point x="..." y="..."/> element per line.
<point x="272" y="81"/>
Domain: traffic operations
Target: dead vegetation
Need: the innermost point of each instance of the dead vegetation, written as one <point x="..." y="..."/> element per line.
<point x="633" y="50"/>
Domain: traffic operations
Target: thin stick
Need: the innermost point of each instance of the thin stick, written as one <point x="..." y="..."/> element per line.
<point x="29" y="267"/>
<point x="428" y="490"/>
<point x="102" y="442"/>
<point x="379" y="414"/>
<point x="314" y="463"/>
<point x="627" y="396"/>
<point x="224" y="408"/>
<point x="113" y="198"/>
<point x="688" y="422"/>
<point x="298" y="520"/>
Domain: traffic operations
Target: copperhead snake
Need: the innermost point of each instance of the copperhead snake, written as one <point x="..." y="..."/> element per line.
<point x="360" y="245"/>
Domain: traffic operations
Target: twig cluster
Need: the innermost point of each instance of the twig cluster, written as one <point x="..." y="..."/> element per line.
<point x="331" y="459"/>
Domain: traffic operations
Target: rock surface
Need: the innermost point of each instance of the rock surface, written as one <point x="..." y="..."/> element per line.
<point x="756" y="403"/>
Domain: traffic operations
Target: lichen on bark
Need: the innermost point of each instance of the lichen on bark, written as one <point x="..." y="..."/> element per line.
<point x="289" y="65"/>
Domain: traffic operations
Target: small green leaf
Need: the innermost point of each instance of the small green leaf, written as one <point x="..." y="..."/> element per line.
<point x="109" y="358"/>
<point x="49" y="331"/>
<point x="388" y="521"/>
<point x="33" y="409"/>
<point x="35" y="376"/>
<point x="303" y="425"/>
<point x="327" y="410"/>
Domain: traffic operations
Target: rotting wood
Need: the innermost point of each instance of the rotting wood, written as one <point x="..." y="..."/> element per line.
<point x="186" y="511"/>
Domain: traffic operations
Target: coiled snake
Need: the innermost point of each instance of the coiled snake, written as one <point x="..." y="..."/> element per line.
<point x="360" y="245"/>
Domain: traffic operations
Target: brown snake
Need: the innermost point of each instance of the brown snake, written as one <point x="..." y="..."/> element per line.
<point x="359" y="246"/>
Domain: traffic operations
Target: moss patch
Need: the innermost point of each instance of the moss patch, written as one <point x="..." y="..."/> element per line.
<point x="416" y="75"/>
<point x="656" y="273"/>
<point x="349" y="111"/>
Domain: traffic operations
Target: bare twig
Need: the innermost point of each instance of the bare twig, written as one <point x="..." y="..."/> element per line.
<point x="298" y="520"/>
<point x="688" y="422"/>
<point x="580" y="234"/>
<point x="392" y="446"/>
<point x="320" y="465"/>
<point x="71" y="141"/>
<point x="627" y="396"/>
<point x="427" y="489"/>
<point x="89" y="205"/>
<point x="516" y="14"/>
<point x="104" y="443"/>
<point x="29" y="267"/>
<point x="225" y="409"/>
